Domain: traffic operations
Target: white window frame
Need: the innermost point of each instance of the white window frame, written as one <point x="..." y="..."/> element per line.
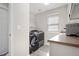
<point x="52" y="24"/>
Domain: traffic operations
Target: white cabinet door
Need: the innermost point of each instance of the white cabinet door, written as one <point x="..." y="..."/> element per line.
<point x="3" y="31"/>
<point x="63" y="50"/>
<point x="74" y="13"/>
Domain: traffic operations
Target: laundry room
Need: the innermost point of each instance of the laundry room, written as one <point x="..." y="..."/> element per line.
<point x="39" y="29"/>
<point x="41" y="25"/>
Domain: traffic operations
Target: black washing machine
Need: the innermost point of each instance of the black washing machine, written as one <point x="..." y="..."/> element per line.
<point x="36" y="39"/>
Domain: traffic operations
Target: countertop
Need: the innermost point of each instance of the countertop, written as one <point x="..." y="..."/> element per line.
<point x="65" y="40"/>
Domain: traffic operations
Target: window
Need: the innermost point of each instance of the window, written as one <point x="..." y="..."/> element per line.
<point x="53" y="23"/>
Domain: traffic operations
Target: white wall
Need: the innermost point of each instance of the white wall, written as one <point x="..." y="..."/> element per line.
<point x="42" y="24"/>
<point x="19" y="29"/>
<point x="41" y="19"/>
<point x="32" y="21"/>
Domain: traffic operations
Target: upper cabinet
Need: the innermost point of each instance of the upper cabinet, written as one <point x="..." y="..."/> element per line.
<point x="74" y="11"/>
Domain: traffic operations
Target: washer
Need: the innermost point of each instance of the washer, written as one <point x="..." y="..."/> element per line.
<point x="34" y="41"/>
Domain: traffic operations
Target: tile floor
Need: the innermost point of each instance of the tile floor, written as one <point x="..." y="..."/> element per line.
<point x="42" y="51"/>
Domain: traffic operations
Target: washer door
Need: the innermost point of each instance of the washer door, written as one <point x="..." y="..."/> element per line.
<point x="34" y="41"/>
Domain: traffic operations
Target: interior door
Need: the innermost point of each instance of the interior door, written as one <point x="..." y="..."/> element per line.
<point x="4" y="47"/>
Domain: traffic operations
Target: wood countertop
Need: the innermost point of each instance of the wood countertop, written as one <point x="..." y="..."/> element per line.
<point x="65" y="40"/>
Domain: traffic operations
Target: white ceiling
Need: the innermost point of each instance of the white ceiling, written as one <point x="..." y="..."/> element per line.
<point x="40" y="7"/>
